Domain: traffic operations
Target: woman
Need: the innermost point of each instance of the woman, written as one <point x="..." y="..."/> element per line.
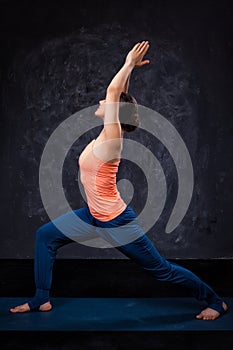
<point x="106" y="209"/>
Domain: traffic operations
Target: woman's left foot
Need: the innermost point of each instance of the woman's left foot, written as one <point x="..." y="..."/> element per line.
<point x="25" y="307"/>
<point x="211" y="314"/>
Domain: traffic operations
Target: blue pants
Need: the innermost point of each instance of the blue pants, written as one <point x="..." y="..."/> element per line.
<point x="49" y="238"/>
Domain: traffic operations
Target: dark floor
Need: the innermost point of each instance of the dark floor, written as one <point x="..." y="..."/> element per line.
<point x="110" y="278"/>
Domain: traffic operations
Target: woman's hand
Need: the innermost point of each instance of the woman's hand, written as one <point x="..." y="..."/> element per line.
<point x="137" y="53"/>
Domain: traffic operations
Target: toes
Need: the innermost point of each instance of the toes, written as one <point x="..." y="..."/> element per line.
<point x="207" y="317"/>
<point x="15" y="309"/>
<point x="20" y="308"/>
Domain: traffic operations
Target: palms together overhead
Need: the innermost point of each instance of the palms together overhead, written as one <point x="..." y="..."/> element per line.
<point x="135" y="56"/>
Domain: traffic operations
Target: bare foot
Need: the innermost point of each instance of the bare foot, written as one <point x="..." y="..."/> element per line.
<point x="210" y="314"/>
<point x="25" y="307"/>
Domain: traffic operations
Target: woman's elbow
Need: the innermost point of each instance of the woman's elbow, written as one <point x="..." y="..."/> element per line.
<point x="112" y="89"/>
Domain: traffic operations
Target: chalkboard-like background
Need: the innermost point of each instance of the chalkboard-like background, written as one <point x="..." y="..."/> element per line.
<point x="57" y="57"/>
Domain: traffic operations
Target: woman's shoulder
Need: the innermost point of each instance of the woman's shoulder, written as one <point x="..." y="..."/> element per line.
<point x="106" y="149"/>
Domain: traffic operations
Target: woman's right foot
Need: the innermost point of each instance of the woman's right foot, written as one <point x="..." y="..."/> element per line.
<point x="25" y="307"/>
<point x="211" y="314"/>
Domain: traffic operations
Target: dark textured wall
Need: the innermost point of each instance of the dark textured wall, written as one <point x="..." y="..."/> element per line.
<point x="57" y="57"/>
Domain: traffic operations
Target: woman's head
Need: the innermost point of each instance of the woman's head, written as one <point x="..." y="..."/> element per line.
<point x="128" y="112"/>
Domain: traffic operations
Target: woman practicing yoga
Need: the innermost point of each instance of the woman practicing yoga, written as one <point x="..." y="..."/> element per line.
<point x="106" y="209"/>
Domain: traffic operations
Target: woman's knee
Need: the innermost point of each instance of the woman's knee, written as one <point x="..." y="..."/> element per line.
<point x="49" y="234"/>
<point x="43" y="233"/>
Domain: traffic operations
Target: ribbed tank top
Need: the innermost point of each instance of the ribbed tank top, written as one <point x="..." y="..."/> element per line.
<point x="99" y="182"/>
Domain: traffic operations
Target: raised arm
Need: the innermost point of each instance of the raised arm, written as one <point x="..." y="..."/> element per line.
<point x="118" y="84"/>
<point x="126" y="87"/>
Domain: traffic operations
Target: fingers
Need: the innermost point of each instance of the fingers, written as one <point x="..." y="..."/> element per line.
<point x="142" y="46"/>
<point x="142" y="63"/>
<point x="139" y="50"/>
<point x="145" y="62"/>
<point x="136" y="46"/>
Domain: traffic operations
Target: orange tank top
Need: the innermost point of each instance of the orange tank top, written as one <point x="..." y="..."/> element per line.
<point x="99" y="182"/>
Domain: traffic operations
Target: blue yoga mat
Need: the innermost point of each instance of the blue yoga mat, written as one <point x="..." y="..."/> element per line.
<point x="114" y="314"/>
